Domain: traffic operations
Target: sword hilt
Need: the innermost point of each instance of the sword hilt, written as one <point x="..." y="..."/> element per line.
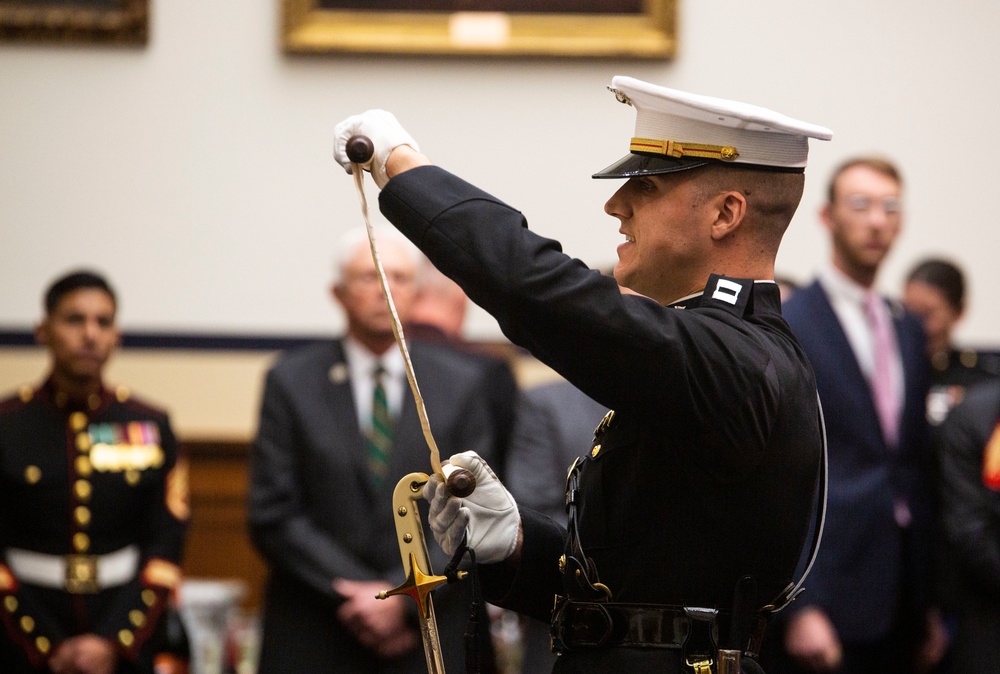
<point x="360" y="149"/>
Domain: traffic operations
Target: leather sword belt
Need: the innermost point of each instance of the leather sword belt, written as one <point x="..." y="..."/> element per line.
<point x="601" y="625"/>
<point x="77" y="574"/>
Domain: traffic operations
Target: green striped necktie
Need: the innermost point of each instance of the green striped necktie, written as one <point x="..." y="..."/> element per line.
<point x="380" y="430"/>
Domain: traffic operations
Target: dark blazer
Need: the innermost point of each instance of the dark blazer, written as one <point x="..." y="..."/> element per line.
<point x="316" y="516"/>
<point x="971" y="514"/>
<point x="859" y="574"/>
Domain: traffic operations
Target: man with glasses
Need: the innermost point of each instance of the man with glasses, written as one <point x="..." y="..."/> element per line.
<point x="864" y="608"/>
<point x="338" y="429"/>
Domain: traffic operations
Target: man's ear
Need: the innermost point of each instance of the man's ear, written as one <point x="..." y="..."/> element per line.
<point x="825" y="217"/>
<point x="336" y="292"/>
<point x="732" y="209"/>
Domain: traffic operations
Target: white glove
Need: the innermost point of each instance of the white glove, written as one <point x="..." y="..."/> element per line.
<point x="489" y="514"/>
<point x="386" y="134"/>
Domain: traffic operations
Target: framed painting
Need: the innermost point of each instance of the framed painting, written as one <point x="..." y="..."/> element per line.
<point x="555" y="28"/>
<point x="75" y="21"/>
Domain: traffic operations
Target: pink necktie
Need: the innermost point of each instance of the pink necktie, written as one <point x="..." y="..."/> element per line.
<point x="884" y="385"/>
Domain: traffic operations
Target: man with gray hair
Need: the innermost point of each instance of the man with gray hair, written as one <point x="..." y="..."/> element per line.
<point x="338" y="429"/>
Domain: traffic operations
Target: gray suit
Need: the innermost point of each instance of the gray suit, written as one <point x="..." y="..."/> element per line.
<point x="315" y="514"/>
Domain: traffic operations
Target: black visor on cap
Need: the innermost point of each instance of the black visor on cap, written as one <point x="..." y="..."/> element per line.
<point x="636" y="164"/>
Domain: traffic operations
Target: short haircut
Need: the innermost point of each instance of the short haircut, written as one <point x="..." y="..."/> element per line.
<point x="76" y="280"/>
<point x="352" y="239"/>
<point x="943" y="275"/>
<point x="877" y="164"/>
<point x="772" y="196"/>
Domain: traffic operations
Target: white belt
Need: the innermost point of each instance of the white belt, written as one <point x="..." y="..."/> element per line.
<point x="79" y="574"/>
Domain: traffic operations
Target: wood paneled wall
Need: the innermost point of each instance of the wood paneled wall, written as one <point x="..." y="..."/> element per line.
<point x="218" y="544"/>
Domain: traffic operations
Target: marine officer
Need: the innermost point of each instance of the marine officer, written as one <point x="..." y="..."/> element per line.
<point x="93" y="503"/>
<point x="705" y="472"/>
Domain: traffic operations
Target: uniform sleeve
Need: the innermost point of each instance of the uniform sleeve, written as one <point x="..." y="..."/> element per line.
<point x="625" y="348"/>
<point x="530" y="587"/>
<point x="969" y="507"/>
<point x="137" y="606"/>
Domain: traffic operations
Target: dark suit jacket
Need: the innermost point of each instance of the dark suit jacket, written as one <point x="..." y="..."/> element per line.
<point x="315" y="515"/>
<point x="971" y="516"/>
<point x="859" y="575"/>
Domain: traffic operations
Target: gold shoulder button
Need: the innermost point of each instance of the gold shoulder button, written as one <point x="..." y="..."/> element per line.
<point x="595" y="451"/>
<point x="26" y="393"/>
<point x="122" y="393"/>
<point x="32" y="474"/>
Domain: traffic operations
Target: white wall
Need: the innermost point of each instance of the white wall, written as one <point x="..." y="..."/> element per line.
<point x="196" y="172"/>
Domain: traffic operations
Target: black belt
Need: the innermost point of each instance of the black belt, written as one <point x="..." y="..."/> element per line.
<point x="605" y="624"/>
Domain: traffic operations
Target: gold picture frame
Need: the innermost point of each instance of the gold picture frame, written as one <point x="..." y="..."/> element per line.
<point x="318" y="26"/>
<point x="123" y="22"/>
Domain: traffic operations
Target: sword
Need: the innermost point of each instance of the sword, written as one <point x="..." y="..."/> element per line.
<point x="420" y="578"/>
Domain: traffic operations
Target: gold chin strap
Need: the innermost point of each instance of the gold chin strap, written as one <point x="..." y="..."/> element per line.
<point x="673" y="148"/>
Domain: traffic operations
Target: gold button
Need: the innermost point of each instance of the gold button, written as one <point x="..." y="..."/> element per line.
<point x="43" y="645"/>
<point x="82" y="490"/>
<point x="81" y="542"/>
<point x="32" y="474"/>
<point x="595" y="451"/>
<point x="122" y="393"/>
<point x="132" y="476"/>
<point x="148" y="597"/>
<point x="78" y="421"/>
<point x="27" y="624"/>
<point x="82" y="515"/>
<point x="728" y="152"/>
<point x="10" y="603"/>
<point x="26" y="393"/>
<point x="137" y="618"/>
<point x="93" y="401"/>
<point x="83" y="466"/>
<point x="83" y="442"/>
<point x="126" y="637"/>
<point x="562" y="563"/>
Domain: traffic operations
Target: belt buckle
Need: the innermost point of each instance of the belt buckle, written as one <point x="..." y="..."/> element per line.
<point x="81" y="574"/>
<point x="579" y="624"/>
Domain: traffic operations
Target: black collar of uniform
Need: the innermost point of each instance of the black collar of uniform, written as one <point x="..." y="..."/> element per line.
<point x="737" y="296"/>
<point x="729" y="294"/>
